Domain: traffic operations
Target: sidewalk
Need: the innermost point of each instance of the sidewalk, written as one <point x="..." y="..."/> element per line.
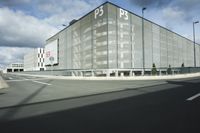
<point x="163" y="77"/>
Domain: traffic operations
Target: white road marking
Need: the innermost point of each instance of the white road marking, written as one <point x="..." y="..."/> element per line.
<point x="193" y="97"/>
<point x="17" y="80"/>
<point x="40" y="82"/>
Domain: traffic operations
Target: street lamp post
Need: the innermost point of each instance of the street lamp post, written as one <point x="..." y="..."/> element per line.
<point x="143" y="54"/>
<point x="194" y="42"/>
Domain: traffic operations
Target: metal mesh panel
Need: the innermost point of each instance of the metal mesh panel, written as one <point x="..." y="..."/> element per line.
<point x="156" y="45"/>
<point x="100" y="47"/>
<point x="163" y="48"/>
<point x="170" y="44"/>
<point x="69" y="49"/>
<point x="124" y="39"/>
<point x="137" y="41"/>
<point x="86" y="42"/>
<point x="112" y="36"/>
<point x="76" y="46"/>
<point x="184" y="52"/>
<point x="148" y="44"/>
<point x="197" y="55"/>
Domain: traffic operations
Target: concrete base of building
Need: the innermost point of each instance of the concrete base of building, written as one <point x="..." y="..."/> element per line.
<point x="116" y="72"/>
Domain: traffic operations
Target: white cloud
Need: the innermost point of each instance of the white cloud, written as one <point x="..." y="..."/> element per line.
<point x="173" y="13"/>
<point x="21" y="30"/>
<point x="12" y="54"/>
<point x="55" y="7"/>
<point x="66" y="11"/>
<point x="18" y="32"/>
<point x="12" y="3"/>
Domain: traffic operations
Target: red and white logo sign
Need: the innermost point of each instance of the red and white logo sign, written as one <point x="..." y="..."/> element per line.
<point x="48" y="54"/>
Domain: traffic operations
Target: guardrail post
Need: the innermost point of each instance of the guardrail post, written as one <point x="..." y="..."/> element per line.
<point x="116" y="73"/>
<point x="142" y="72"/>
<point x="72" y="73"/>
<point x="122" y="74"/>
<point x="133" y="73"/>
<point x="107" y="73"/>
<point x="92" y="73"/>
<point x="81" y="73"/>
<point x="130" y="73"/>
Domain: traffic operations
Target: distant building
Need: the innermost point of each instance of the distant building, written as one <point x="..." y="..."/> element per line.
<point x="34" y="60"/>
<point x="1" y="69"/>
<point x="15" y="67"/>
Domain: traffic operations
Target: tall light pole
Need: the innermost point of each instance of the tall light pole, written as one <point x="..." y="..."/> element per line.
<point x="194" y="42"/>
<point x="143" y="54"/>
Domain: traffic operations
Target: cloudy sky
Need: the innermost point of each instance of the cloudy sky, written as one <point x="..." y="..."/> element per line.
<point x="26" y="24"/>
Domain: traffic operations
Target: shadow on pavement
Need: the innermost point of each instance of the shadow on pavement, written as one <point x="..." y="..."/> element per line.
<point x="22" y="104"/>
<point x="2" y="93"/>
<point x="185" y="83"/>
<point x="12" y="111"/>
<point x="158" y="112"/>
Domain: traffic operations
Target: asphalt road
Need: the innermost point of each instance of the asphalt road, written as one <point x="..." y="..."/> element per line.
<point x="173" y="108"/>
<point x="27" y="89"/>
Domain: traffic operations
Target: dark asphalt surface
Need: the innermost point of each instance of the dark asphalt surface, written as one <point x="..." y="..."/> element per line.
<point x="165" y="111"/>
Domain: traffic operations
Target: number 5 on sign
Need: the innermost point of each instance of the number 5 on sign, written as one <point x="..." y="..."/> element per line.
<point x="98" y="12"/>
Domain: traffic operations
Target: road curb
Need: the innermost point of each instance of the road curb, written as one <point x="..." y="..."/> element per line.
<point x="163" y="77"/>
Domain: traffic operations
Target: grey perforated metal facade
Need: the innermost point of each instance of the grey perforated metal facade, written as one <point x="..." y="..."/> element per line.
<point x="110" y="37"/>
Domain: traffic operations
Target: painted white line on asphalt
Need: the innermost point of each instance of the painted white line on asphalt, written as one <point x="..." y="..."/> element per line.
<point x="15" y="80"/>
<point x="18" y="80"/>
<point x="193" y="97"/>
<point x="40" y="82"/>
